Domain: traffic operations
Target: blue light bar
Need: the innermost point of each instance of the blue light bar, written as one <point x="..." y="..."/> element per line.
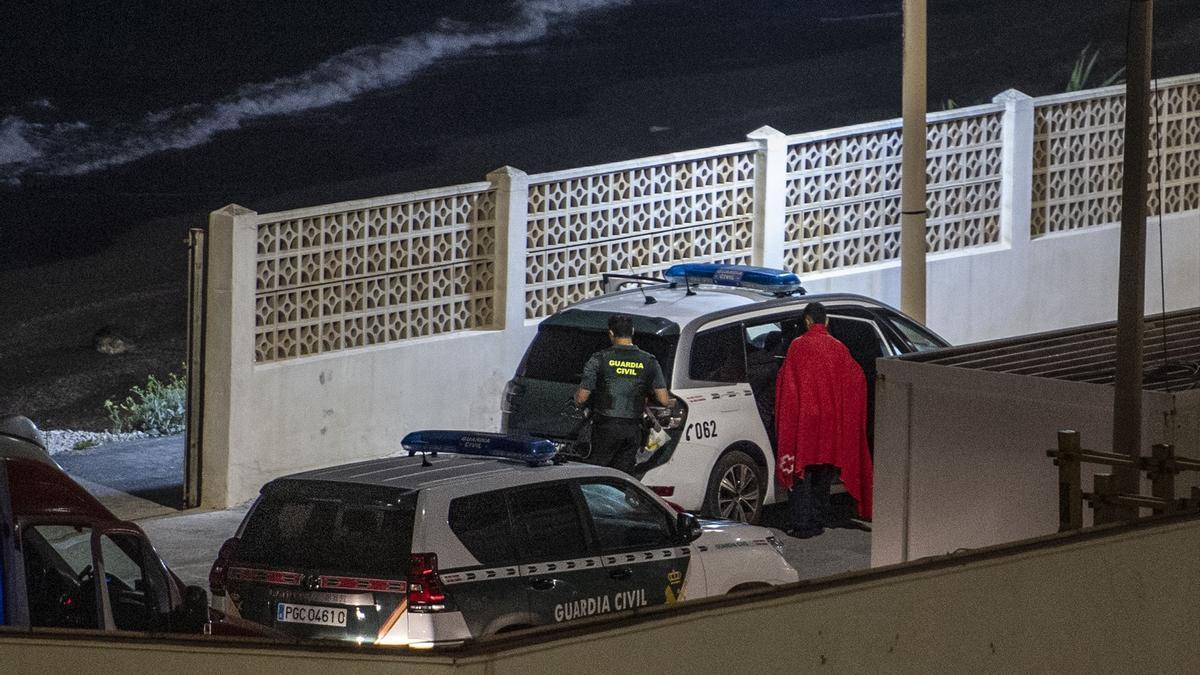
<point x="520" y="447"/>
<point x="742" y="276"/>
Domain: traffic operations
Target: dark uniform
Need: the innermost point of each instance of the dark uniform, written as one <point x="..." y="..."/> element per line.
<point x="620" y="378"/>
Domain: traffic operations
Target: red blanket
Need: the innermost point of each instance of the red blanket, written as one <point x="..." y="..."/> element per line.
<point x="821" y="414"/>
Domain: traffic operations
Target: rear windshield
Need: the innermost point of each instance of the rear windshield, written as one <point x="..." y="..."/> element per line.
<point x="558" y="353"/>
<point x="332" y="528"/>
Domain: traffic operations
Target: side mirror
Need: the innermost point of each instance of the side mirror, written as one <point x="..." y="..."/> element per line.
<point x="195" y="609"/>
<point x="688" y="527"/>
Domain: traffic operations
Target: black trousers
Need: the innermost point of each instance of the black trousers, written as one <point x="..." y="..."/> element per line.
<point x="808" y="501"/>
<point x="615" y="442"/>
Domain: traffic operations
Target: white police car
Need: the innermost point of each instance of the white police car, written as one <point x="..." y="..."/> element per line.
<point x="720" y="333"/>
<point x="475" y="535"/>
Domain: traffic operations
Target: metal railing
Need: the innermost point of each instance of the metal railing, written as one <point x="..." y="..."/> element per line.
<point x="1161" y="467"/>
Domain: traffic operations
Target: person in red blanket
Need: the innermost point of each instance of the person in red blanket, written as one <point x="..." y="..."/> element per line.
<point x="821" y="428"/>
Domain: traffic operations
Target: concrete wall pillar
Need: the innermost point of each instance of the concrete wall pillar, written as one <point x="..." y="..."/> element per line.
<point x="1016" y="167"/>
<point x="229" y="348"/>
<point x="770" y="196"/>
<point x="512" y="226"/>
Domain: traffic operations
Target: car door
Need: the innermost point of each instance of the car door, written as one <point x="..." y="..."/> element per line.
<point x="80" y="575"/>
<point x="491" y="596"/>
<point x="721" y="404"/>
<point x="564" y="578"/>
<point x="857" y="330"/>
<point x="644" y="561"/>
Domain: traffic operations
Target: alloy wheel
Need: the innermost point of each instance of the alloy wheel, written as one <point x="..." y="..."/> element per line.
<point x="737" y="494"/>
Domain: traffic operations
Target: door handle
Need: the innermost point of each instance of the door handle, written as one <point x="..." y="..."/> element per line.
<point x="621" y="573"/>
<point x="542" y="584"/>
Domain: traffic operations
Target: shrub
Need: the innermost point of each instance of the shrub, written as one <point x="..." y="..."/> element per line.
<point x="85" y="444"/>
<point x="156" y="408"/>
<point x="1081" y="74"/>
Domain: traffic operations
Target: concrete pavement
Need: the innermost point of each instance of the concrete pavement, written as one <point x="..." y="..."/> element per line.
<point x="149" y="468"/>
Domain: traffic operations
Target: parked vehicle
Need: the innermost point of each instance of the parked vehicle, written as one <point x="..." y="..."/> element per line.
<point x="67" y="562"/>
<point x="720" y="333"/>
<point x="480" y="534"/>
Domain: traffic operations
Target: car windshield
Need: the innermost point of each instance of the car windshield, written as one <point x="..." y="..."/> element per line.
<point x="558" y="353"/>
<point x="920" y="338"/>
<point x="331" y="527"/>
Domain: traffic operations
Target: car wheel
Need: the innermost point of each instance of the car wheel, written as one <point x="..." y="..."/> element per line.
<point x="753" y="586"/>
<point x="736" y="489"/>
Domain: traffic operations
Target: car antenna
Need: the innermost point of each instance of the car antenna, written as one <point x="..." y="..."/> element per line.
<point x="650" y="300"/>
<point x="688" y="284"/>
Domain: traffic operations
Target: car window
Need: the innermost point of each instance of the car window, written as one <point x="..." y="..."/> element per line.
<point x="920" y="338"/>
<point x="59" y="580"/>
<point x="547" y="523"/>
<point x="625" y="517"/>
<point x="860" y="336"/>
<point x="558" y="353"/>
<point x="333" y="528"/>
<point x="763" y="342"/>
<point x="480" y="522"/>
<point x="719" y="355"/>
<point x="762" y="335"/>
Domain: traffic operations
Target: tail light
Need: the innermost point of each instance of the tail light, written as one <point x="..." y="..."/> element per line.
<point x="663" y="490"/>
<point x="424" y="588"/>
<point x="511" y="391"/>
<point x="220" y="568"/>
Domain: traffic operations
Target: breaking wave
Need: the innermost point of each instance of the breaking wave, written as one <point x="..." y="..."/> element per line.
<point x="67" y="149"/>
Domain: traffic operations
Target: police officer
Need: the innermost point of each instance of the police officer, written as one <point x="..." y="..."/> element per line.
<point x="620" y="377"/>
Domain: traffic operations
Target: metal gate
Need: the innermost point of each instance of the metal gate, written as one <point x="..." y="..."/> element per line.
<point x="194" y="434"/>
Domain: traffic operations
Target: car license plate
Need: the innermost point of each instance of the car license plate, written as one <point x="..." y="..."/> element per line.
<point x="322" y="616"/>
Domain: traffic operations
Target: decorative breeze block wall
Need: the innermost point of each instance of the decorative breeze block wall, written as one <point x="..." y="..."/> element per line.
<point x="843" y="193"/>
<point x="638" y="220"/>
<point x="1079" y="143"/>
<point x="385" y="272"/>
<point x="405" y="266"/>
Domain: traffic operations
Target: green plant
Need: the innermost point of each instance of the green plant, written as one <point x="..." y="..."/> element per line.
<point x="85" y="444"/>
<point x="156" y="408"/>
<point x="1082" y="72"/>
<point x="949" y="104"/>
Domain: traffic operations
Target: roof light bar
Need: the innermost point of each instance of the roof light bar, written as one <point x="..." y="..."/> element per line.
<point x="504" y="446"/>
<point x="742" y="276"/>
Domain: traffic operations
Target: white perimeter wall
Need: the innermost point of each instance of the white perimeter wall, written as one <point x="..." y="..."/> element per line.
<point x="1022" y="286"/>
<point x="960" y="454"/>
<point x="358" y="405"/>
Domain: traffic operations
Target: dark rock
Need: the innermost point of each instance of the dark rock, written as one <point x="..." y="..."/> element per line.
<point x="108" y="341"/>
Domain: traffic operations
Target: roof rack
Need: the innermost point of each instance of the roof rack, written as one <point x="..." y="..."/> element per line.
<point x="521" y="447"/>
<point x="611" y="282"/>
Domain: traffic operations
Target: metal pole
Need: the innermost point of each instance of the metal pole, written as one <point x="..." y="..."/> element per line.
<point x="912" y="168"/>
<point x="1131" y="291"/>
<point x="193" y="443"/>
<point x="1104" y="510"/>
<point x="1162" y="478"/>
<point x="1070" y="482"/>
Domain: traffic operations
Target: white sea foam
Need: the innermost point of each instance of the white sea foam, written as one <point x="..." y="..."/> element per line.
<point x="13" y="145"/>
<point x="78" y="148"/>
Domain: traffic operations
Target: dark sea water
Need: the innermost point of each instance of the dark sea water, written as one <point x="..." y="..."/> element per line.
<point x="117" y="112"/>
